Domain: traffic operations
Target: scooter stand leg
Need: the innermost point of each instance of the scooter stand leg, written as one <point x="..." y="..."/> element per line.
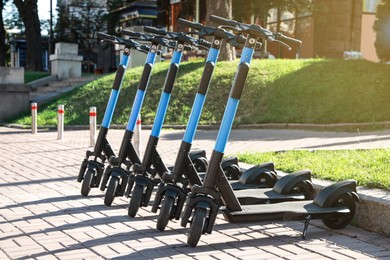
<point x="307" y="223"/>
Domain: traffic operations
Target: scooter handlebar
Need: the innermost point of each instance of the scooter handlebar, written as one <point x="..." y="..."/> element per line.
<point x="193" y="25"/>
<point x="154" y="30"/>
<point x="222" y="21"/>
<point x="132" y="34"/>
<point x="105" y="36"/>
<point x="288" y="40"/>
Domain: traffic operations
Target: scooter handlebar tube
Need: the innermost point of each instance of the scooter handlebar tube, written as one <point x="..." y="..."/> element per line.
<point x="193" y="25"/>
<point x="222" y="21"/>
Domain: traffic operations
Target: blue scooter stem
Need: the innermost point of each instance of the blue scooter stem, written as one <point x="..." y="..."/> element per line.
<point x="141" y="91"/>
<point x="165" y="96"/>
<point x="198" y="103"/>
<point x="115" y="91"/>
<point x="231" y="107"/>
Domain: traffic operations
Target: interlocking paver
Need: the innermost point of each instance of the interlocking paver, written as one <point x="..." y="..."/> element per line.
<point x="42" y="211"/>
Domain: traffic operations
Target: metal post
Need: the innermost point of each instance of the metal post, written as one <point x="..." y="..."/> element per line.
<point x="137" y="136"/>
<point x="34" y="118"/>
<point x="60" y="120"/>
<point x="92" y="126"/>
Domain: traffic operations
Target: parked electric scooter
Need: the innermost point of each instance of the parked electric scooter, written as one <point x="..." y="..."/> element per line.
<point x="92" y="167"/>
<point x="143" y="178"/>
<point x="115" y="175"/>
<point x="335" y="204"/>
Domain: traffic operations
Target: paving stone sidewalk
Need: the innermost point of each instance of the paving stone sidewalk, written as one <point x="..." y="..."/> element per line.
<point x="43" y="215"/>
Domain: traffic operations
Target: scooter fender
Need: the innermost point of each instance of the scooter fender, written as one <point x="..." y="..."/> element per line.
<point x="148" y="185"/>
<point x="328" y="195"/>
<point x="106" y="176"/>
<point x="254" y="174"/>
<point x="286" y="184"/>
<point x="197" y="154"/>
<point x="201" y="201"/>
<point x="83" y="168"/>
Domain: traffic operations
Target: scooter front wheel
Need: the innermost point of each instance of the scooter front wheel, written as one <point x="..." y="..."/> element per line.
<point x="87" y="182"/>
<point x="197" y="226"/>
<point x="135" y="200"/>
<point x="165" y="212"/>
<point x="345" y="200"/>
<point x="111" y="191"/>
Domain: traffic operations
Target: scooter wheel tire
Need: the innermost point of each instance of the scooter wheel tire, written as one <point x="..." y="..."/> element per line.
<point x="201" y="164"/>
<point x="111" y="191"/>
<point x="87" y="182"/>
<point x="165" y="212"/>
<point x="345" y="200"/>
<point x="135" y="200"/>
<point x="306" y="188"/>
<point x="197" y="226"/>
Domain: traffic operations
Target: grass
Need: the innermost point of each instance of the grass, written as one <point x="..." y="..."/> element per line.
<point x="34" y="75"/>
<point x="370" y="168"/>
<point x="277" y="91"/>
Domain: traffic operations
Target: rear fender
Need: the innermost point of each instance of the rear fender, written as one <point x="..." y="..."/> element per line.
<point x="328" y="195"/>
<point x="286" y="184"/>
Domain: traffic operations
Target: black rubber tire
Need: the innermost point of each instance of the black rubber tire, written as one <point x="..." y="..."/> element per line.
<point x="197" y="226"/>
<point x="111" y="191"/>
<point x="304" y="188"/>
<point x="135" y="200"/>
<point x="165" y="212"/>
<point x="87" y="182"/>
<point x="346" y="200"/>
<point x="201" y="164"/>
<point x="232" y="172"/>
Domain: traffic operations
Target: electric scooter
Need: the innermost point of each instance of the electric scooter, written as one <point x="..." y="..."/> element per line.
<point x="172" y="192"/>
<point x="115" y="175"/>
<point x="143" y="178"/>
<point x="335" y="204"/>
<point x="92" y="167"/>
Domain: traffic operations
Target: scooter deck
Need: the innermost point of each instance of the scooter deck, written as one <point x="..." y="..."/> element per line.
<point x="265" y="195"/>
<point x="282" y="211"/>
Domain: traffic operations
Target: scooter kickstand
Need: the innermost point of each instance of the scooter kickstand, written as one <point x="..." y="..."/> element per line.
<point x="307" y="222"/>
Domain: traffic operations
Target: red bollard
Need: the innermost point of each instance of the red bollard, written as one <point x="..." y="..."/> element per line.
<point x="34" y="124"/>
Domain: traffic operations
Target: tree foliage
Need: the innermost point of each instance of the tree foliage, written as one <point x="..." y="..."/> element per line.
<point x="2" y="36"/>
<point x="382" y="29"/>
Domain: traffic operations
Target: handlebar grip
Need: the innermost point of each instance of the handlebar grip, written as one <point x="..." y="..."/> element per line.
<point x="131" y="34"/>
<point x="154" y="30"/>
<point x="204" y="43"/>
<point x="290" y="41"/>
<point x="196" y="26"/>
<point x="105" y="36"/>
<point x="187" y="48"/>
<point x="222" y="21"/>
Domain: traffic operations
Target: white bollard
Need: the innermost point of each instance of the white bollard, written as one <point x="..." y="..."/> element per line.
<point x="137" y="136"/>
<point x="60" y="121"/>
<point x="92" y="126"/>
<point x="34" y="118"/>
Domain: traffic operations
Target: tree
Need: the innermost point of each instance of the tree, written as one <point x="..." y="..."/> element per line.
<point x="2" y="36"/>
<point x="382" y="29"/>
<point x="222" y="8"/>
<point x="28" y="11"/>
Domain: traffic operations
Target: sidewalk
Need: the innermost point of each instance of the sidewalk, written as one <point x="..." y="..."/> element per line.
<point x="43" y="215"/>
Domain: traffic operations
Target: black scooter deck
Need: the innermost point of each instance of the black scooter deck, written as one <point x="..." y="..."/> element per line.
<point x="265" y="195"/>
<point x="291" y="210"/>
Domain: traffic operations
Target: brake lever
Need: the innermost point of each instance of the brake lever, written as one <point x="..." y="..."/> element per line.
<point x="285" y="45"/>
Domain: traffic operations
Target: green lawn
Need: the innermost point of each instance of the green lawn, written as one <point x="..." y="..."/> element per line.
<point x="370" y="168"/>
<point x="276" y="91"/>
<point x="34" y="75"/>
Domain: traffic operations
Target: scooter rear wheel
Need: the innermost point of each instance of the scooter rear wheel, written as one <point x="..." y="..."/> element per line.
<point x="200" y="164"/>
<point x="197" y="226"/>
<point x="135" y="200"/>
<point x="345" y="200"/>
<point x="232" y="172"/>
<point x="87" y="182"/>
<point x="165" y="212"/>
<point x="306" y="189"/>
<point x="111" y="191"/>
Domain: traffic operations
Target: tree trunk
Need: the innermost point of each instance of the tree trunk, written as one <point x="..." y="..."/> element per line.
<point x="2" y="36"/>
<point x="222" y="8"/>
<point x="28" y="11"/>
